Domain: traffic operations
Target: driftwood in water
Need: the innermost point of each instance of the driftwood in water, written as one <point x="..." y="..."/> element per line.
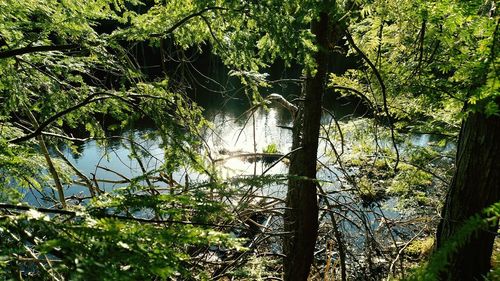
<point x="250" y="156"/>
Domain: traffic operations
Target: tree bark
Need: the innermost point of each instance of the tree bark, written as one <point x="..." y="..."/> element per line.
<point x="301" y="215"/>
<point x="475" y="186"/>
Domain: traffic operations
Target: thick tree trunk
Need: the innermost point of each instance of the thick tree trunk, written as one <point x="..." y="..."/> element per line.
<point x="475" y="186"/>
<point x="301" y="215"/>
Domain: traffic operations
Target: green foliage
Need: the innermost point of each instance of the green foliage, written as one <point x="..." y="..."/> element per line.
<point x="419" y="248"/>
<point x="257" y="268"/>
<point x="367" y="190"/>
<point x="22" y="168"/>
<point x="439" y="260"/>
<point x="410" y="179"/>
<point x="105" y="248"/>
<point x="271" y="148"/>
<point x="57" y="64"/>
<point x="433" y="56"/>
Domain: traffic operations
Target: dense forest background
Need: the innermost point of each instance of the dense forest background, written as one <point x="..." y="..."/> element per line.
<point x="249" y="140"/>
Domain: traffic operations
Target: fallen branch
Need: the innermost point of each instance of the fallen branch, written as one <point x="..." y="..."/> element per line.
<point x="250" y="154"/>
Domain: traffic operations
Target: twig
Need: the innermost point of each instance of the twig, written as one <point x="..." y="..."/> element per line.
<point x="279" y="160"/>
<point x="43" y="125"/>
<point x="391" y="268"/>
<point x="48" y="159"/>
<point x="338" y="236"/>
<point x="87" y="181"/>
<point x="383" y="89"/>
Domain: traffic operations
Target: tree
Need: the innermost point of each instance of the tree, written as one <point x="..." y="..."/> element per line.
<point x="452" y="63"/>
<point x="475" y="186"/>
<point x="301" y="216"/>
<point x="250" y="36"/>
<point x="476" y="182"/>
<point x="59" y="72"/>
<point x="64" y="65"/>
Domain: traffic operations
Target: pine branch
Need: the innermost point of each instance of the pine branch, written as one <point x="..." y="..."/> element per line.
<point x="119" y="217"/>
<point x="186" y="19"/>
<point x="35" y="49"/>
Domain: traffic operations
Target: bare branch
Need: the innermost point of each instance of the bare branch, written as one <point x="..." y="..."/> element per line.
<point x="383" y="89"/>
<point x="360" y="94"/>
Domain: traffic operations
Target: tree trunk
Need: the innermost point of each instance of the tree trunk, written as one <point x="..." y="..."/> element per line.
<point x="475" y="186"/>
<point x="301" y="215"/>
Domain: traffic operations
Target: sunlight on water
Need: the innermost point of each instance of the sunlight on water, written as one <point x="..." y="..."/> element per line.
<point x="235" y="136"/>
